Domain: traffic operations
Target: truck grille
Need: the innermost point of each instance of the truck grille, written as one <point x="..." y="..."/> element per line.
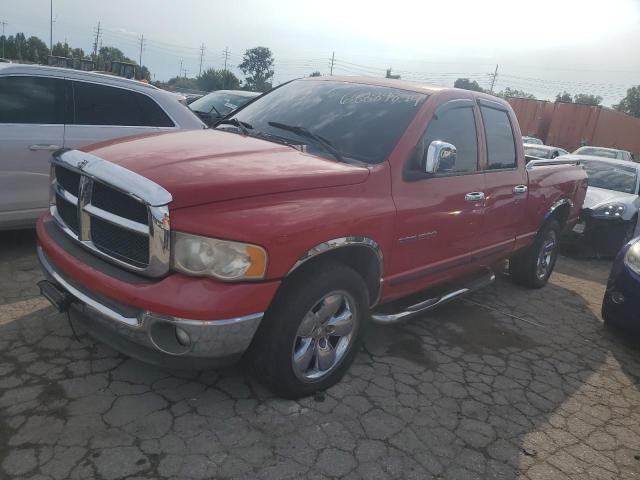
<point x="117" y="225"/>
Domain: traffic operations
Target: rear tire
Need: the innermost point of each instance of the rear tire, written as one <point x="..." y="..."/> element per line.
<point x="312" y="331"/>
<point x="533" y="267"/>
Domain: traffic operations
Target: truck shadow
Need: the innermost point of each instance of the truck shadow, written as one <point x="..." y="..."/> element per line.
<point x="489" y="386"/>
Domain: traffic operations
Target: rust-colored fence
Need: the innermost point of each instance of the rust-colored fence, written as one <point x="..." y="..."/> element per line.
<point x="570" y="125"/>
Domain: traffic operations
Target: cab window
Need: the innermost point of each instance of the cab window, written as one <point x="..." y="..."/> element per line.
<point x="501" y="147"/>
<point x="456" y="126"/>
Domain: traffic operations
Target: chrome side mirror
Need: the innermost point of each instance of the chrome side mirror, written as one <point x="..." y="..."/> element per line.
<point x="440" y="156"/>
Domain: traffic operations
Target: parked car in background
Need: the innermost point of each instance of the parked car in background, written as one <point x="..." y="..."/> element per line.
<point x="43" y="109"/>
<point x="282" y="229"/>
<point x="612" y="153"/>
<point x="621" y="303"/>
<point x="609" y="218"/>
<point x="545" y="152"/>
<point x="532" y="141"/>
<point x="216" y="105"/>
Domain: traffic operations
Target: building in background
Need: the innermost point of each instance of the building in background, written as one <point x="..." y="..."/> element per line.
<point x="572" y="125"/>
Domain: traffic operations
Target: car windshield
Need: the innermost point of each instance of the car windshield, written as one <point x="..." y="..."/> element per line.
<point x="218" y="103"/>
<point x="535" y="140"/>
<point x="361" y="122"/>
<point x="597" y="152"/>
<point x="537" y="152"/>
<point x="611" y="177"/>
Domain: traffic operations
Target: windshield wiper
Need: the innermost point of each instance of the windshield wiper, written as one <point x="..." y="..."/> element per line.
<point x="243" y="126"/>
<point x="317" y="139"/>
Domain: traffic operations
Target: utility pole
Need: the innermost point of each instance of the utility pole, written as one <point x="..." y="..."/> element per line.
<point x="201" y="57"/>
<point x="333" y="59"/>
<point x="51" y="26"/>
<point x="95" y="44"/>
<point x="180" y="72"/>
<point x="3" y="25"/>
<point x="226" y="57"/>
<point x="141" y="47"/>
<point x="493" y="80"/>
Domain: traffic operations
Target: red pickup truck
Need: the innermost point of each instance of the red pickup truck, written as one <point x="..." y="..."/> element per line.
<point x="320" y="206"/>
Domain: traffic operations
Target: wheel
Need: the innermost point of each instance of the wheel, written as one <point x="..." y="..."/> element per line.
<point x="313" y="330"/>
<point x="533" y="267"/>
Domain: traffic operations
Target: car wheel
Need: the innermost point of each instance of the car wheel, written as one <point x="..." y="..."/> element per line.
<point x="312" y="332"/>
<point x="533" y="267"/>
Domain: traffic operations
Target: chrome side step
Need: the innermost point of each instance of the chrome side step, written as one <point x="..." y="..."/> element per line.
<point x="431" y="303"/>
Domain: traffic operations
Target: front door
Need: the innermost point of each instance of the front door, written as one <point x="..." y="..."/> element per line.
<point x="32" y="111"/>
<point x="439" y="215"/>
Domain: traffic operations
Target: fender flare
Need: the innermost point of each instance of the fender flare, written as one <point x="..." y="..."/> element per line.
<point x="342" y="242"/>
<point x="557" y="204"/>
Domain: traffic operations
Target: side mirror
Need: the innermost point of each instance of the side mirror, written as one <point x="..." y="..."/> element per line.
<point x="440" y="156"/>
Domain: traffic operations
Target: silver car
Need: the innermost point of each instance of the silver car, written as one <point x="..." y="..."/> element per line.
<point x="610" y="212"/>
<point x="613" y="153"/>
<point x="43" y="109"/>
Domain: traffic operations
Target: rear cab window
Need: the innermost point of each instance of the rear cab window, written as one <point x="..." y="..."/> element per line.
<point x="96" y="104"/>
<point x="501" y="146"/>
<point x="32" y="100"/>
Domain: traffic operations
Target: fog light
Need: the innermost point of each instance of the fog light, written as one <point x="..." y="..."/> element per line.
<point x="183" y="337"/>
<point x="617" y="297"/>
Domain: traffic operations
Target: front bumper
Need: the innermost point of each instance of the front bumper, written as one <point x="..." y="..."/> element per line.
<point x="151" y="337"/>
<point x="176" y="321"/>
<point x="603" y="235"/>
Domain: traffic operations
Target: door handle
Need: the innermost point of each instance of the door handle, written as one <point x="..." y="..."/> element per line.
<point x="474" y="196"/>
<point x="520" y="189"/>
<point x="38" y="147"/>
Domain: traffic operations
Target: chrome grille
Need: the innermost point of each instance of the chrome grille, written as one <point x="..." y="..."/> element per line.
<point x="116" y="213"/>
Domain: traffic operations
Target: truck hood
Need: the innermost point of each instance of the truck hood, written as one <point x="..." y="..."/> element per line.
<point x="597" y="197"/>
<point x="204" y="166"/>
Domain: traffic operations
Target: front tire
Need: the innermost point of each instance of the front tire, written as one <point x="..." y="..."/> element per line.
<point x="534" y="266"/>
<point x="312" y="332"/>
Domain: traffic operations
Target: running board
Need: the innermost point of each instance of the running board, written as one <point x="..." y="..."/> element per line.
<point x="431" y="303"/>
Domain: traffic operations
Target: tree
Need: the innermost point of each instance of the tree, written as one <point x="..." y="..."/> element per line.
<point x="390" y="75"/>
<point x="586" y="99"/>
<point x="315" y="74"/>
<point x="61" y="50"/>
<point x="257" y="66"/>
<point x="631" y="103"/>
<point x="467" y="84"/>
<point x="514" y="92"/>
<point x="564" y="97"/>
<point x="36" y="50"/>
<point x="212" y="79"/>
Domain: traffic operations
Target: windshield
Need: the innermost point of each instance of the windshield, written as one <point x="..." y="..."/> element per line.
<point x="537" y="152"/>
<point x="611" y="177"/>
<point x="535" y="140"/>
<point x="598" y="152"/>
<point x="219" y="103"/>
<point x="361" y="122"/>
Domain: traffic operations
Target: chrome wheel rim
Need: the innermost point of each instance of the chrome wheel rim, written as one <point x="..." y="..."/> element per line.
<point x="546" y="255"/>
<point x="324" y="336"/>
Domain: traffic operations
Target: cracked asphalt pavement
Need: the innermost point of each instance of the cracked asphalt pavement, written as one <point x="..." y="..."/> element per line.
<point x="508" y="383"/>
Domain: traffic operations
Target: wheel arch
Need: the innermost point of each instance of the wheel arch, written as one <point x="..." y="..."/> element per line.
<point x="363" y="254"/>
<point x="560" y="210"/>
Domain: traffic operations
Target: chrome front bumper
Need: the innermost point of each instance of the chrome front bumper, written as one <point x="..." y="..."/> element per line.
<point x="153" y="337"/>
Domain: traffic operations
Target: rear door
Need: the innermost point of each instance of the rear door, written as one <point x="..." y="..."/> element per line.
<point x="32" y="111"/>
<point x="103" y="112"/>
<point x="505" y="181"/>
<point x="439" y="216"/>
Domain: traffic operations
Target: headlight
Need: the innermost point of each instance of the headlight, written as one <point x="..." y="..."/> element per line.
<point x="632" y="258"/>
<point x="222" y="259"/>
<point x="610" y="210"/>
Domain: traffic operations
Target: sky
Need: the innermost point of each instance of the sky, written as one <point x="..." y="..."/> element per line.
<point x="542" y="47"/>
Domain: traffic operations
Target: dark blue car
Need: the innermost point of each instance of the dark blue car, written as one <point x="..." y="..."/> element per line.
<point x="621" y="304"/>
